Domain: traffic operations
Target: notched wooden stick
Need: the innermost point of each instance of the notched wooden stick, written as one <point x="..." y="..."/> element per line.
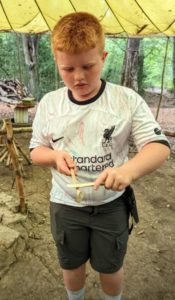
<point x="80" y="195"/>
<point x="80" y="185"/>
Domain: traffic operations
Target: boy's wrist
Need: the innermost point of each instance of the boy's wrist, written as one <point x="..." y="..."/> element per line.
<point x="129" y="170"/>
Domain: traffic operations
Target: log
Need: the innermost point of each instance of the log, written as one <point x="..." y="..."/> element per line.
<point x="168" y="133"/>
<point x="12" y="91"/>
<point x="16" y="130"/>
<point x="8" y="87"/>
<point x="2" y="92"/>
<point x="7" y="100"/>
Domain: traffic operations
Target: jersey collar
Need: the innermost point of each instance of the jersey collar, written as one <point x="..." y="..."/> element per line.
<point x="88" y="101"/>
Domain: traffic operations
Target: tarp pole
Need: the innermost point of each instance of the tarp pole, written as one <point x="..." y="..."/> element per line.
<point x="163" y="77"/>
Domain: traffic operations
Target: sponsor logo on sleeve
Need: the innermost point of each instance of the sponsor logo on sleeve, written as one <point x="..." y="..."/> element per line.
<point x="157" y="131"/>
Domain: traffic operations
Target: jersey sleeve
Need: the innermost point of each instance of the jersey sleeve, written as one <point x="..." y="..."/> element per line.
<point x="145" y="129"/>
<point x="39" y="126"/>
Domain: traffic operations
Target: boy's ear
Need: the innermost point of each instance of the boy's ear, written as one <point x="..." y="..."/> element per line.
<point x="105" y="53"/>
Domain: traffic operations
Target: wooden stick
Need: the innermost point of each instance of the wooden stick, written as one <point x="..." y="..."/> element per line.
<point x="80" y="195"/>
<point x="4" y="155"/>
<point x="3" y="150"/>
<point x="16" y="150"/>
<point x="8" y="160"/>
<point x="25" y="156"/>
<point x="80" y="185"/>
<point x="73" y="176"/>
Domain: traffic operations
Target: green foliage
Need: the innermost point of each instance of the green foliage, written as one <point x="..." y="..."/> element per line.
<point x="114" y="61"/>
<point x="48" y="75"/>
<point x="152" y="51"/>
<point x="8" y="56"/>
<point x="151" y="59"/>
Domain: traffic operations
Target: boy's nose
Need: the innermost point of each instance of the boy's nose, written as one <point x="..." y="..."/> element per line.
<point x="79" y="75"/>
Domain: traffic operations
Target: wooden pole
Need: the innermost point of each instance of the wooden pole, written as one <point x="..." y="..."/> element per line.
<point x="25" y="156"/>
<point x="16" y="165"/>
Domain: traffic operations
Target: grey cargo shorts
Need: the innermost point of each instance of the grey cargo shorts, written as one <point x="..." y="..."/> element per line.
<point x="95" y="233"/>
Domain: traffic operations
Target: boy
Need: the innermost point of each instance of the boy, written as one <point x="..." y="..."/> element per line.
<point x="85" y="127"/>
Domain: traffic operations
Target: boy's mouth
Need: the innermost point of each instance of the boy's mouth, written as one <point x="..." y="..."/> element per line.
<point x="80" y="85"/>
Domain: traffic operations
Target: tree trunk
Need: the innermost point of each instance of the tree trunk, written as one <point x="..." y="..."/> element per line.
<point x="140" y="71"/>
<point x="30" y="48"/>
<point x="174" y="66"/>
<point x="130" y="64"/>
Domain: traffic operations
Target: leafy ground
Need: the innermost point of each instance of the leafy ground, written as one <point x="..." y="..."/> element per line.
<point x="150" y="260"/>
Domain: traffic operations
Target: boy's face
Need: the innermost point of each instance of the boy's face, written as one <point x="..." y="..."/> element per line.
<point x="81" y="72"/>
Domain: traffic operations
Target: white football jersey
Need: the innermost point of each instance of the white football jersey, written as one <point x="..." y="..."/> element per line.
<point x="95" y="133"/>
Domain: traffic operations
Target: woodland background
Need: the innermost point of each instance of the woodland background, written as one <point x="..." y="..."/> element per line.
<point x="28" y="264"/>
<point x="140" y="63"/>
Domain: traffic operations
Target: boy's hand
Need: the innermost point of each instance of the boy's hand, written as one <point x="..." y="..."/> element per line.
<point x="115" y="179"/>
<point x="64" y="162"/>
<point x="60" y="160"/>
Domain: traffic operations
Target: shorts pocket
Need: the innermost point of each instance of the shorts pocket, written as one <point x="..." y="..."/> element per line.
<point x="121" y="246"/>
<point x="61" y="247"/>
<point x="61" y="238"/>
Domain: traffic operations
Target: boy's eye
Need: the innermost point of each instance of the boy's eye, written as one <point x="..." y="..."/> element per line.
<point x="68" y="69"/>
<point x="87" y="67"/>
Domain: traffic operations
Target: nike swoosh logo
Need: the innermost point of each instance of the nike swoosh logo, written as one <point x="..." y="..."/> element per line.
<point x="56" y="140"/>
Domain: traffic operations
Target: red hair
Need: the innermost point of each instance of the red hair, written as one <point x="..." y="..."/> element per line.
<point x="77" y="32"/>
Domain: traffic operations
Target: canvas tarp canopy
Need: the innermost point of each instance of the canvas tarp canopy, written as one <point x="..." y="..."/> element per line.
<point x="118" y="17"/>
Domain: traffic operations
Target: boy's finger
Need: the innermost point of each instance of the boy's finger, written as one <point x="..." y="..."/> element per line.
<point x="70" y="163"/>
<point x="100" y="180"/>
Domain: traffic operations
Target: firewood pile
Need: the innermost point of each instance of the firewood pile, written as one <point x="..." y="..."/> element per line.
<point x="12" y="91"/>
